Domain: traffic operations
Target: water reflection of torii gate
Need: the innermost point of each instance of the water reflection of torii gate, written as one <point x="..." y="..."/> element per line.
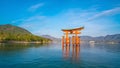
<point x="75" y="37"/>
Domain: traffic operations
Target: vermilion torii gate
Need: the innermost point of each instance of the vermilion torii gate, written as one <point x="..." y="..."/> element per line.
<point x="75" y="38"/>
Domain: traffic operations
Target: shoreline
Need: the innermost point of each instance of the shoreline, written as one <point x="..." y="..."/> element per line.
<point x="26" y="42"/>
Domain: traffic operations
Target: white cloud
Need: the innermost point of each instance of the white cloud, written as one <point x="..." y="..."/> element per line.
<point x="33" y="18"/>
<point x="31" y="22"/>
<point x="16" y="21"/>
<point x="36" y="6"/>
<point x="106" y="13"/>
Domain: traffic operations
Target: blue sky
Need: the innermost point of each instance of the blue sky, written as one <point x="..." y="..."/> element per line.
<point x="48" y="17"/>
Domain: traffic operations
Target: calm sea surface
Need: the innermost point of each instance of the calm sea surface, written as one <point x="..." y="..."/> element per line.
<point x="55" y="56"/>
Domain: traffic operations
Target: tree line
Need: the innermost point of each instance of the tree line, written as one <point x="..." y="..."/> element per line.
<point x="4" y="37"/>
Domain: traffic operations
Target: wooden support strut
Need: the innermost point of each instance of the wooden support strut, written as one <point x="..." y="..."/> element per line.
<point x="73" y="40"/>
<point x="63" y="41"/>
<point x="67" y="37"/>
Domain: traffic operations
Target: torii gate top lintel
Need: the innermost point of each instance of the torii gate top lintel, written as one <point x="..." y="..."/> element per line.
<point x="80" y="28"/>
<point x="72" y="31"/>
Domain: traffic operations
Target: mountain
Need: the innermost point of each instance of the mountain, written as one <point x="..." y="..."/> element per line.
<point x="54" y="40"/>
<point x="102" y="39"/>
<point x="14" y="33"/>
<point x="8" y="28"/>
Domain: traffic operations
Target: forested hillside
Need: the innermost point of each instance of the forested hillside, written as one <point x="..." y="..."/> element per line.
<point x="13" y="33"/>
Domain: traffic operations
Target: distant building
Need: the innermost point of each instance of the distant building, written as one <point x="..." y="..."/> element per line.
<point x="91" y="42"/>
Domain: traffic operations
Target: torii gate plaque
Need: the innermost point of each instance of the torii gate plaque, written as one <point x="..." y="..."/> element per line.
<point x="75" y="38"/>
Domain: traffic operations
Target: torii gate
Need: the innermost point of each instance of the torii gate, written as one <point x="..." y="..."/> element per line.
<point x="75" y="37"/>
